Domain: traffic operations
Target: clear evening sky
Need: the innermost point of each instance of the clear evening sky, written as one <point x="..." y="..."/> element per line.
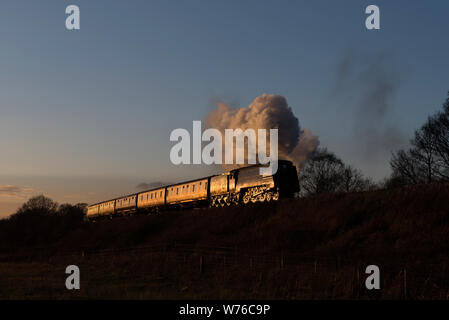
<point x="86" y="115"/>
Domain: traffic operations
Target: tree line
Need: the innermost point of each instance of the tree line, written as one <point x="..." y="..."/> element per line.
<point x="40" y="221"/>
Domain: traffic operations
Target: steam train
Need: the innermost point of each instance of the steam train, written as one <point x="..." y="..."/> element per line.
<point x="238" y="186"/>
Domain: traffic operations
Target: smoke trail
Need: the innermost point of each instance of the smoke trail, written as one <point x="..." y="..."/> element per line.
<point x="368" y="85"/>
<point x="267" y="111"/>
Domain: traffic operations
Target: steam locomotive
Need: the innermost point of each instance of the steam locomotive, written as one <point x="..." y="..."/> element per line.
<point x="239" y="186"/>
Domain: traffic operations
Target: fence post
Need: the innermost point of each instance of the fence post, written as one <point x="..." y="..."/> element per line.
<point x="405" y="283"/>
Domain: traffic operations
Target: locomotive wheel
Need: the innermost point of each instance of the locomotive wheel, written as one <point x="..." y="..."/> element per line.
<point x="269" y="196"/>
<point x="276" y="196"/>
<point x="262" y="197"/>
<point x="246" y="198"/>
<point x="236" y="199"/>
<point x="217" y="202"/>
<point x="222" y="202"/>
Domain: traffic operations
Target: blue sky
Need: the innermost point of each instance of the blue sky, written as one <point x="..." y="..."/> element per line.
<point x="87" y="114"/>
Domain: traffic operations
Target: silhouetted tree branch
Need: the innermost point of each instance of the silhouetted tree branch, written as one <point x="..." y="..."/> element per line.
<point x="427" y="160"/>
<point x="324" y="172"/>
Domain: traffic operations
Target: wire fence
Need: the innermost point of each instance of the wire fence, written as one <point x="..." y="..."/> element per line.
<point x="284" y="274"/>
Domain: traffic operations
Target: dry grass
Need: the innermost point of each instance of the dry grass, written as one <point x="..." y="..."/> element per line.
<point x="314" y="248"/>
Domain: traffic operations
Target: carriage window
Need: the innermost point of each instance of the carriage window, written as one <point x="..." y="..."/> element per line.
<point x="177" y="190"/>
<point x="193" y="188"/>
<point x="187" y="189"/>
<point x="161" y="194"/>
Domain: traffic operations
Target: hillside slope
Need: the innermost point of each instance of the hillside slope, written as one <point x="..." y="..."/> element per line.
<point x="315" y="247"/>
<point x="410" y="220"/>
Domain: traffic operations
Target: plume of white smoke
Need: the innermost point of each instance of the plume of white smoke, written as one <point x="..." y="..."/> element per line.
<point x="267" y="111"/>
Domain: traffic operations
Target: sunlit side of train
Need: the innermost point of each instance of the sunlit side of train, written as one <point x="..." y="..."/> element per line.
<point x="239" y="186"/>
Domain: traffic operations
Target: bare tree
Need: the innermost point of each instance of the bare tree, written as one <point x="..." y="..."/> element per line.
<point x="352" y="180"/>
<point x="321" y="173"/>
<point x="427" y="160"/>
<point x="38" y="205"/>
<point x="404" y="168"/>
<point x="324" y="172"/>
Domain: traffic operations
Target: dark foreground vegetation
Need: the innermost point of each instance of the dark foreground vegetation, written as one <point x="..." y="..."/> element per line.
<point x="314" y="247"/>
